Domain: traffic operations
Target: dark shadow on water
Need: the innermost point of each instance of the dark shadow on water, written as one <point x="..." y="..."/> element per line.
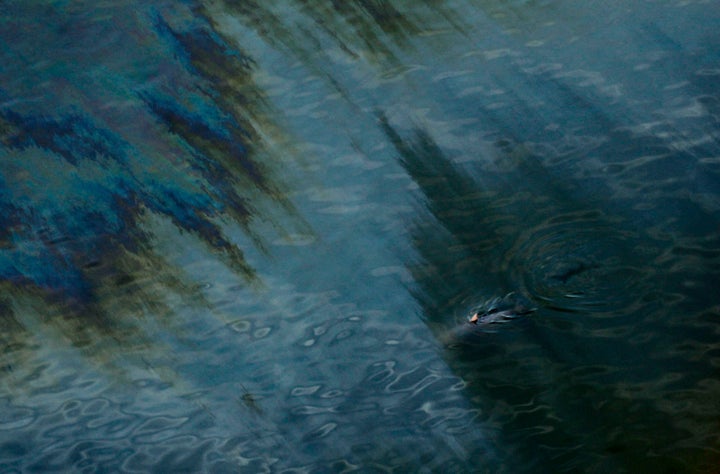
<point x="546" y="381"/>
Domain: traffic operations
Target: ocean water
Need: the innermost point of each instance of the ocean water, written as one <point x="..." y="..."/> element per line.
<point x="244" y="236"/>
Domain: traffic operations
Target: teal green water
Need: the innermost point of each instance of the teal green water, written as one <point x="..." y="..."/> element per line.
<point x="242" y="236"/>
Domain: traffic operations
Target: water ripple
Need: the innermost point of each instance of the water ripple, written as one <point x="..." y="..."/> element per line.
<point x="577" y="262"/>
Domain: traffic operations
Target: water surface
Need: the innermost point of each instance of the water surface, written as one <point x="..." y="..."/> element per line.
<point x="247" y="236"/>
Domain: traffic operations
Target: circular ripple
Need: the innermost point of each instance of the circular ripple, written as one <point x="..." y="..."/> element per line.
<point x="577" y="262"/>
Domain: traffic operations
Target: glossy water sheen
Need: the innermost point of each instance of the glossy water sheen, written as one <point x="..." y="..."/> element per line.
<point x="245" y="236"/>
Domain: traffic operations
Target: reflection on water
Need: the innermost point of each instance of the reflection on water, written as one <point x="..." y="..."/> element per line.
<point x="241" y="236"/>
